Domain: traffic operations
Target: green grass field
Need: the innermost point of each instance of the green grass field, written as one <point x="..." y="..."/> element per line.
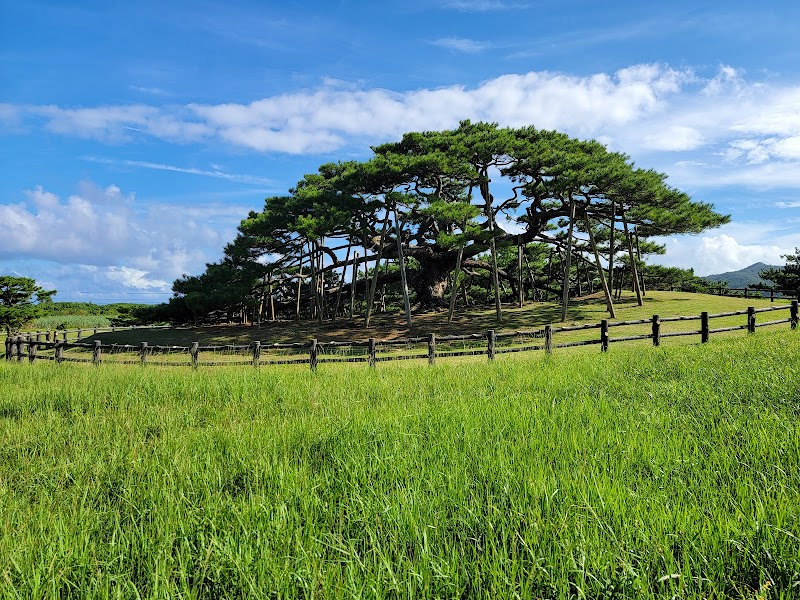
<point x="654" y="472"/>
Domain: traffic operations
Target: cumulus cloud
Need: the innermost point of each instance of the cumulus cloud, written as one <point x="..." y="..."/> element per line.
<point x="729" y="248"/>
<point x="135" y="278"/>
<point x="734" y="125"/>
<point x="140" y="245"/>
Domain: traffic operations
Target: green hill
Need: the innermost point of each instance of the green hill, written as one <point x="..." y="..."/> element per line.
<point x="743" y="277"/>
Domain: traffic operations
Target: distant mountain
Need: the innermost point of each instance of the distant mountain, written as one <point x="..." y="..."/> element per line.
<point x="743" y="277"/>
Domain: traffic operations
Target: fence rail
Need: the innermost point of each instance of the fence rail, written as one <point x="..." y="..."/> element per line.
<point x="746" y="292"/>
<point x="373" y="351"/>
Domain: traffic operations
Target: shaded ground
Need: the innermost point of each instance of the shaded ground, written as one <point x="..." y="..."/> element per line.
<point x="589" y="309"/>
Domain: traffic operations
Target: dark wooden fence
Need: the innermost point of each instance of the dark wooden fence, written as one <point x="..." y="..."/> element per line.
<point x="722" y="290"/>
<point x="430" y="347"/>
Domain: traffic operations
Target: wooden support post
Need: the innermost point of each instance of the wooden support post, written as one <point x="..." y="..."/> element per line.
<point x="46" y="336"/>
<point x="548" y="339"/>
<point x="65" y="336"/>
<point x="32" y="346"/>
<point x="256" y="353"/>
<point x="80" y="333"/>
<point x="611" y="246"/>
<point x="299" y="285"/>
<point x="371" y="352"/>
<point x="704" y="327"/>
<point x="604" y="335"/>
<point x="143" y="353"/>
<point x="772" y="295"/>
<point x="432" y="348"/>
<point x="600" y="270"/>
<point x="567" y="265"/>
<point x="751" y="319"/>
<point x="793" y="318"/>
<point x="312" y="354"/>
<point x="374" y="283"/>
<point x="454" y="293"/>
<point x="9" y="347"/>
<point x="745" y="293"/>
<point x="19" y="348"/>
<point x="59" y="351"/>
<point x="656" y="330"/>
<point x="95" y="331"/>
<point x="490" y="339"/>
<point x="642" y="285"/>
<point x="520" y="291"/>
<point x="402" y="263"/>
<point x="353" y="285"/>
<point x="194" y="353"/>
<point x="97" y="353"/>
<point x="634" y="268"/>
<point x="341" y="282"/>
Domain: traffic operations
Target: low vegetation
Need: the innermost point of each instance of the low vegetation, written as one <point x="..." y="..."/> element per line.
<point x="665" y="472"/>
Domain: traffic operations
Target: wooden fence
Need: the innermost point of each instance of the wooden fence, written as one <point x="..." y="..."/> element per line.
<point x="721" y="290"/>
<point x="430" y="347"/>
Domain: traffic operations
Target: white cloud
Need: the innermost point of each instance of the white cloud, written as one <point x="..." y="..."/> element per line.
<point x="674" y="139"/>
<point x="465" y="45"/>
<point x="729" y="248"/>
<point x="216" y="172"/>
<point x="739" y="132"/>
<point x="483" y="5"/>
<point x="136" y="278"/>
<point x="137" y="244"/>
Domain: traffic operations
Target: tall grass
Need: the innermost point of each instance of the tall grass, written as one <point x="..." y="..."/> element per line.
<point x="653" y="473"/>
<point x="70" y="322"/>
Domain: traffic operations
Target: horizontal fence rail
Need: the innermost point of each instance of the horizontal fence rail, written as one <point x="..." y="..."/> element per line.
<point x="746" y="292"/>
<point x="372" y="351"/>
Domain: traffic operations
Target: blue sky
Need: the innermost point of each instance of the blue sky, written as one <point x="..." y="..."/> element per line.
<point x="134" y="136"/>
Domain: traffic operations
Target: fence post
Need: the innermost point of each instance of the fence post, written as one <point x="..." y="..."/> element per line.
<point x="80" y="333"/>
<point x="65" y="336"/>
<point x="772" y="295"/>
<point x="548" y="339"/>
<point x="490" y="337"/>
<point x="256" y="353"/>
<point x="371" y="352"/>
<point x="793" y="312"/>
<point x="194" y="352"/>
<point x="9" y="345"/>
<point x="59" y="351"/>
<point x="745" y="293"/>
<point x="604" y="335"/>
<point x="97" y="354"/>
<point x="19" y="348"/>
<point x="143" y="353"/>
<point x="656" y="330"/>
<point x="32" y="346"/>
<point x="431" y="348"/>
<point x="312" y="355"/>
<point x="751" y="319"/>
<point x="47" y="336"/>
<point x="704" y="327"/>
<point x="95" y="331"/>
